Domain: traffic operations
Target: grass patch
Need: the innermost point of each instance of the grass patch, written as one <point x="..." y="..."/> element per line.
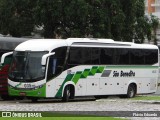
<point x="64" y="118"/>
<point x="145" y="97"/>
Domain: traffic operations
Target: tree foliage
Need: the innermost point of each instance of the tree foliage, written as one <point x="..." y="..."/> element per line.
<point x="154" y="26"/>
<point x="120" y="20"/>
<point x="16" y="17"/>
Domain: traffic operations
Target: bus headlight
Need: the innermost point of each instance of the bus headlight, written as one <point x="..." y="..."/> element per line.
<point x="38" y="87"/>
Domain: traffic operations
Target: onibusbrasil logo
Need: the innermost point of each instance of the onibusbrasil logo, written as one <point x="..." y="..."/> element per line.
<point x="21" y="114"/>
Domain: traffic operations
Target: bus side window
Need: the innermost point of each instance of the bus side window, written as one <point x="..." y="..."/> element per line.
<point x="107" y="55"/>
<point x="8" y="59"/>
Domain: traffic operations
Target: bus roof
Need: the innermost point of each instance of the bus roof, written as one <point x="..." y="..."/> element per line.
<point x="107" y="42"/>
<point x="50" y="44"/>
<point x="41" y="44"/>
<point x="9" y="43"/>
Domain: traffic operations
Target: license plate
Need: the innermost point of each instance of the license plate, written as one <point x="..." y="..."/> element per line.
<point x="22" y="94"/>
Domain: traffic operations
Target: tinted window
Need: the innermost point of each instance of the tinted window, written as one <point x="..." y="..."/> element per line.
<point x="144" y="57"/>
<point x="56" y="62"/>
<point x="60" y="52"/>
<point x="151" y="56"/>
<point x="121" y="56"/>
<point x="52" y="67"/>
<point x="137" y="56"/>
<point x="95" y="56"/>
<point x="107" y="55"/>
<point x="60" y="55"/>
<point x="79" y="55"/>
<point x="112" y="56"/>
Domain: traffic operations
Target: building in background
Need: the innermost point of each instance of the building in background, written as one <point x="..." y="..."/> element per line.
<point x="152" y="7"/>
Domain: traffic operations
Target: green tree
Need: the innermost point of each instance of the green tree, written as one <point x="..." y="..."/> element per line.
<point x="154" y="26"/>
<point x="136" y="26"/>
<point x="147" y="27"/>
<point x="16" y="17"/>
<point x="76" y="18"/>
<point x="140" y="21"/>
<point x="80" y="18"/>
<point x="117" y="19"/>
<point x="129" y="9"/>
<point x="48" y="14"/>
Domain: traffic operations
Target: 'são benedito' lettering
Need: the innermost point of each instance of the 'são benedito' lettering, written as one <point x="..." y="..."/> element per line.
<point x="124" y="74"/>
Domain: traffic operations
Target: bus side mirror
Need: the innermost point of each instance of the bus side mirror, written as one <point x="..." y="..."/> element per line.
<point x="4" y="56"/>
<point x="44" y="58"/>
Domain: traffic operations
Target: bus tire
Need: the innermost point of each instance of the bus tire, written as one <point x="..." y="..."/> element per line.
<point x="131" y="92"/>
<point x="66" y="94"/>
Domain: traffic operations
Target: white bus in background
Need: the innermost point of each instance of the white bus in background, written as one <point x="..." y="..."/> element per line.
<point x="65" y="69"/>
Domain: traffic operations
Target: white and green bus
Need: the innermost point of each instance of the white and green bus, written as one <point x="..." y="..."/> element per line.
<point x="74" y="67"/>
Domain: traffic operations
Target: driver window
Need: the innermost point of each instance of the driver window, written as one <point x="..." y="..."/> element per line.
<point x="54" y="66"/>
<point x="56" y="62"/>
<point x="51" y="68"/>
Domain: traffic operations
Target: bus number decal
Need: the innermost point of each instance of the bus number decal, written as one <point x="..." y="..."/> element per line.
<point x="29" y="86"/>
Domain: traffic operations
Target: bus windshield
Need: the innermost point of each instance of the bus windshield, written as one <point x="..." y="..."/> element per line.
<point x="26" y="66"/>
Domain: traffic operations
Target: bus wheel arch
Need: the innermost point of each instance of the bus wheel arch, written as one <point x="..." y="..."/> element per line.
<point x="68" y="92"/>
<point x="132" y="90"/>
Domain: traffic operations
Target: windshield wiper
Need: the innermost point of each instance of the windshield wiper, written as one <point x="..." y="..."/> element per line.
<point x="26" y="69"/>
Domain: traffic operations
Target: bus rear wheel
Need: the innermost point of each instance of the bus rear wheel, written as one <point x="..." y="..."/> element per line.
<point x="131" y="91"/>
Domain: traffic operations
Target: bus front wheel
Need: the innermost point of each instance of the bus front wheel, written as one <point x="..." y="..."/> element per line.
<point x="66" y="94"/>
<point x="131" y="92"/>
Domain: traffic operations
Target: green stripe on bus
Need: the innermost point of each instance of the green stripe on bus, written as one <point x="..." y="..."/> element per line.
<point x="85" y="73"/>
<point x="100" y="69"/>
<point x="76" y="77"/>
<point x="93" y="70"/>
